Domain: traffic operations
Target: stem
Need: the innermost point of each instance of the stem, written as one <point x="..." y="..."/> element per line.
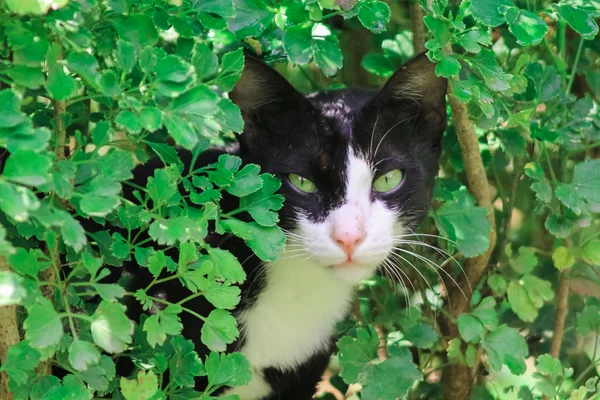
<point x="418" y="26"/>
<point x="561" y="66"/>
<point x="9" y="335"/>
<point x="562" y="304"/>
<point x="574" y="69"/>
<point x="70" y="317"/>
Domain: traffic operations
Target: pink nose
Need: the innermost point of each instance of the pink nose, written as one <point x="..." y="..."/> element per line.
<point x="348" y="240"/>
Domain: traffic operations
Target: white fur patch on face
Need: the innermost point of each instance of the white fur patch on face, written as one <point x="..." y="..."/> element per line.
<point x="375" y="221"/>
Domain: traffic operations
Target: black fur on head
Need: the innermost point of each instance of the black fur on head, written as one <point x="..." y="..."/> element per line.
<point x="399" y="126"/>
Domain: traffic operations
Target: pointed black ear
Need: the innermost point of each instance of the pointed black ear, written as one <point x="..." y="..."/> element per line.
<point x="417" y="82"/>
<point x="262" y="87"/>
<point x="270" y="106"/>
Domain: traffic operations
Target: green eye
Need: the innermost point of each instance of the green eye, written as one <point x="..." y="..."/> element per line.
<point x="302" y="184"/>
<point x="388" y="181"/>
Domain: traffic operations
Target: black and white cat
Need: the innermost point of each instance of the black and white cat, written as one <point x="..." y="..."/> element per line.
<point x="358" y="170"/>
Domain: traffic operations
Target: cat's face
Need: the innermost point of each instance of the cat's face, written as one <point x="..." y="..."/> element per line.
<point x="357" y="168"/>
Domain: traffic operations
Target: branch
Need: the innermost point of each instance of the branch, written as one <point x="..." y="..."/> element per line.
<point x="458" y="381"/>
<point x="9" y="335"/>
<point x="562" y="308"/>
<point x="418" y="26"/>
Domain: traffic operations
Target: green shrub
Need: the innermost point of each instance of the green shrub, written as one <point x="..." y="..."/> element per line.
<point x="88" y="89"/>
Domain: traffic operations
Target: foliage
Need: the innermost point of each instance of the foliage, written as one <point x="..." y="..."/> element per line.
<point x="119" y="81"/>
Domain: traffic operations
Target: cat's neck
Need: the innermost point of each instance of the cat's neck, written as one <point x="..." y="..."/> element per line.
<point x="294" y="315"/>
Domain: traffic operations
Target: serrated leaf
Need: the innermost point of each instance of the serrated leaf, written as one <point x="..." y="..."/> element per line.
<point x="111" y="329"/>
<point x="504" y="346"/>
<point x="83" y="354"/>
<point x="219" y="330"/>
<point x="43" y="325"/>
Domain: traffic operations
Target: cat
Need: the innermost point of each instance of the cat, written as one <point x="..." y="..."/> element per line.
<point x="357" y="170"/>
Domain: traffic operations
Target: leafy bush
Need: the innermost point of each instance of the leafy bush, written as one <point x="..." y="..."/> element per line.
<point x="90" y="89"/>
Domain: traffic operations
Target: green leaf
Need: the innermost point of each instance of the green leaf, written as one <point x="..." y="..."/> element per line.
<point x="356" y="353"/>
<point x="488" y="11"/>
<point x="11" y="289"/>
<point x="205" y="62"/>
<point x="326" y="50"/>
<point x="72" y="233"/>
<point x="162" y="186"/>
<point x="471" y="330"/>
<point x="85" y="65"/>
<point x="137" y="29"/>
<point x="421" y="335"/>
<point x="117" y="164"/>
<point x="227" y="265"/>
<point x="528" y="295"/>
<point x="570" y="198"/>
<point x="586" y="180"/>
<point x="504" y="346"/>
<point x="109" y="83"/>
<point x="464" y="223"/>
<point x="246" y="181"/>
<point x="591" y="252"/>
<point x="82" y="355"/>
<point x="109" y="292"/>
<point x="494" y="76"/>
<point x="164" y="322"/>
<point x="35" y="7"/>
<point x="374" y="15"/>
<point x="228" y="369"/>
<point x="222" y="296"/>
<point x="265" y="242"/>
<point x="588" y="320"/>
<point x="472" y="40"/>
<point x="43" y="325"/>
<point x="174" y="75"/>
<point x="386" y="380"/>
<point x="17" y="201"/>
<point x="528" y="28"/>
<point x="251" y="18"/>
<point x="262" y="204"/>
<point x="27" y="167"/>
<point x="111" y="329"/>
<point x="21" y="358"/>
<point x="472" y="327"/>
<point x="219" y="330"/>
<point x="183" y="229"/>
<point x="30" y="77"/>
<point x="230" y="116"/>
<point x="297" y="42"/>
<point x="150" y="118"/>
<point x="185" y="364"/>
<point x="391" y="378"/>
<point x="232" y="65"/>
<point x="563" y="257"/>
<point x="578" y="19"/>
<point x="143" y="388"/>
<point x="125" y="56"/>
<point x="525" y="261"/>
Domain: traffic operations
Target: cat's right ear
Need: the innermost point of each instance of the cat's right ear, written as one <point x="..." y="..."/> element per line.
<point x="262" y="91"/>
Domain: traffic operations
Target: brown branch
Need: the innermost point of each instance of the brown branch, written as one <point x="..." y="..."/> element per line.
<point x="9" y="335"/>
<point x="562" y="308"/>
<point x="418" y="26"/>
<point x="458" y="379"/>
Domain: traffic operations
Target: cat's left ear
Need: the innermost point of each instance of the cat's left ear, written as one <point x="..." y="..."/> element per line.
<point x="417" y="83"/>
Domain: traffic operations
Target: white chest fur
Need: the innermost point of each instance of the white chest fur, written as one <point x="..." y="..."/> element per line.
<point x="293" y="317"/>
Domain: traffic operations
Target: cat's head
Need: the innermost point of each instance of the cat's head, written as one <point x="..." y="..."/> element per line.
<point x="357" y="167"/>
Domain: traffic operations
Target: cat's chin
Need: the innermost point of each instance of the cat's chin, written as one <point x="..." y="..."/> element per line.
<point x="352" y="272"/>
